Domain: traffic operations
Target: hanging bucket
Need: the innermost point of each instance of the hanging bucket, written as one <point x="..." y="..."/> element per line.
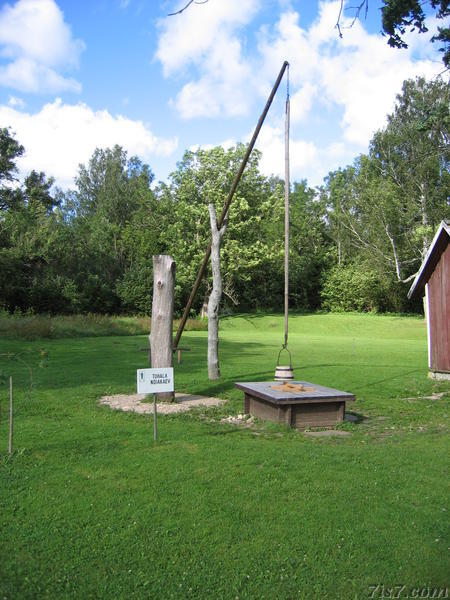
<point x="284" y="372"/>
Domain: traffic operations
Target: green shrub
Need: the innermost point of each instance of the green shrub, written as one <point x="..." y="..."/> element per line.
<point x="135" y="288"/>
<point x="352" y="288"/>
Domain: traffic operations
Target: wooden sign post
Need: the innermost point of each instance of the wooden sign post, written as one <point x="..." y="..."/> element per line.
<point x="154" y="381"/>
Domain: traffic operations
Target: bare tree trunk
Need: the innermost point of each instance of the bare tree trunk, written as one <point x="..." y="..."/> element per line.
<point x="162" y="315"/>
<point x="423" y="206"/>
<point x="215" y="296"/>
<point x="394" y="251"/>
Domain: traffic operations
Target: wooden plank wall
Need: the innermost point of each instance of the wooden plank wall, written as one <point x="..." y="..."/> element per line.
<point x="439" y="313"/>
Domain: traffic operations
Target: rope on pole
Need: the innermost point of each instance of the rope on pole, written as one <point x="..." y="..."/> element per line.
<point x="286" y="213"/>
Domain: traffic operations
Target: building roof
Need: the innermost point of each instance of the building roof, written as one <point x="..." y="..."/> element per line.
<point x="437" y="247"/>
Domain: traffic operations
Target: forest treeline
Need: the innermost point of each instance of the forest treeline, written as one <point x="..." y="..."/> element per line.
<point x="356" y="241"/>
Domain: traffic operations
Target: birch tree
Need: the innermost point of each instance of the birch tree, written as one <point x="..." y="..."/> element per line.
<point x="215" y="295"/>
<point x="387" y="205"/>
<point x="412" y="153"/>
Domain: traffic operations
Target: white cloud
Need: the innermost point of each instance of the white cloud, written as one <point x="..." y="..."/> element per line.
<point x="226" y="145"/>
<point x="188" y="38"/>
<point x="287" y="41"/>
<point x="341" y="89"/>
<point x="302" y="101"/>
<point x="359" y="76"/>
<point x="303" y="155"/>
<point x="26" y="75"/>
<point x="307" y="159"/>
<point x="61" y="136"/>
<point x="205" y="39"/>
<point x="37" y="46"/>
<point x="362" y="74"/>
<point x="16" y="102"/>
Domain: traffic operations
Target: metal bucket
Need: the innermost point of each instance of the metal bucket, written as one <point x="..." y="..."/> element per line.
<point x="284" y="372"/>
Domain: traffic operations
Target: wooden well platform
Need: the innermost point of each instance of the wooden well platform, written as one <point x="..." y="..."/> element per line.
<point x="299" y="404"/>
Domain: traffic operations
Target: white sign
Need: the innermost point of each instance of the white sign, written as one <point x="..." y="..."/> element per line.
<point x="152" y="381"/>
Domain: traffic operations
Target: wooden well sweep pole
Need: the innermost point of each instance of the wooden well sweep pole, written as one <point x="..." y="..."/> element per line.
<point x="234" y="185"/>
<point x="286" y="218"/>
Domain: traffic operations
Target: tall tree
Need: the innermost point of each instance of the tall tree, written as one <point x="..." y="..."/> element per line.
<point x="111" y="190"/>
<point x="412" y="153"/>
<point x="249" y="255"/>
<point x="37" y="191"/>
<point x="388" y="204"/>
<point x="10" y="151"/>
<point x="309" y="246"/>
<point x="398" y="15"/>
<point x="338" y="197"/>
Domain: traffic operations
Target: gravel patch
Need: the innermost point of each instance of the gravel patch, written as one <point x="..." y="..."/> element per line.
<point x="134" y="403"/>
<point x="434" y="396"/>
<point x="245" y="420"/>
<point x="327" y="433"/>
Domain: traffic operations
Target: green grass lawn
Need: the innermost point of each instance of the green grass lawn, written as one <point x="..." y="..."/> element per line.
<point x="90" y="507"/>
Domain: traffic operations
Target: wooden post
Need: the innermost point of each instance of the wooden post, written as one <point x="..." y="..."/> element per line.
<point x="11" y="415"/>
<point x="155" y="428"/>
<point x="162" y="315"/>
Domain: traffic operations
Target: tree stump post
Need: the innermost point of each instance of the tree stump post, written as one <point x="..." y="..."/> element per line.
<point x="162" y="316"/>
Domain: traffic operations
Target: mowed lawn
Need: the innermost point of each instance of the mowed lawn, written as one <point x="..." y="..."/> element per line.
<point x="90" y="507"/>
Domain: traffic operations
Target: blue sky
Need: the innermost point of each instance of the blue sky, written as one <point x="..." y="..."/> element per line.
<point x="76" y="75"/>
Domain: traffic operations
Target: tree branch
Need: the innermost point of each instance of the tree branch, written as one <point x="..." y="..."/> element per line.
<point x="410" y="278"/>
<point x="178" y="12"/>
<point x="363" y="243"/>
<point x="338" y="22"/>
<point x="357" y="9"/>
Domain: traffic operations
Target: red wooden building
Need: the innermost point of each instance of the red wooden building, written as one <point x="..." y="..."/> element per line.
<point x="433" y="280"/>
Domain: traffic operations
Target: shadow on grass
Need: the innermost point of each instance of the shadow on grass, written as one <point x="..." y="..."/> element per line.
<point x="223" y="386"/>
<point x="386" y="379"/>
<point x="369" y="384"/>
<point x="225" y="431"/>
<point x="354" y="417"/>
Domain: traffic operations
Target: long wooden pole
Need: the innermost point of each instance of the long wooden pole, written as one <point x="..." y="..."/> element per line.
<point x="286" y="218"/>
<point x="234" y="185"/>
